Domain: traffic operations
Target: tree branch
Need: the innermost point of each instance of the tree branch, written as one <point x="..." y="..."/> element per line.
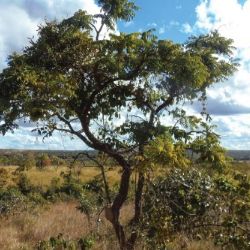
<point x="101" y="166"/>
<point x="71" y="130"/>
<point x="166" y="103"/>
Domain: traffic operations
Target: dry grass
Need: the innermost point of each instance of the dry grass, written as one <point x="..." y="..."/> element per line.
<point x="23" y="231"/>
<point x="242" y="166"/>
<point x="60" y="218"/>
<point x="182" y="242"/>
<point x="43" y="177"/>
<point x="26" y="229"/>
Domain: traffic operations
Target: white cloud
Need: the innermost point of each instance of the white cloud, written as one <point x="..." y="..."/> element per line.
<point x="152" y="24"/>
<point x="164" y="27"/>
<point x="13" y="33"/>
<point x="162" y="30"/>
<point x="228" y="16"/>
<point x="19" y="20"/>
<point x="187" y="28"/>
<point x="234" y="131"/>
<point x="174" y="23"/>
<point x="23" y="138"/>
<point x="128" y="24"/>
<point x="232" y="20"/>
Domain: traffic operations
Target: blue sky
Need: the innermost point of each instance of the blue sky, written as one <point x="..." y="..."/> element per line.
<point x="166" y="16"/>
<point x="228" y="102"/>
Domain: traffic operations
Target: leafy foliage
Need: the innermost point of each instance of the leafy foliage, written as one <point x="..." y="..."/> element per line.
<point x="11" y="200"/>
<point x="164" y="151"/>
<point x="199" y="205"/>
<point x="43" y="161"/>
<point x="107" y="77"/>
<point x="24" y="184"/>
<point x="27" y="162"/>
<point x="60" y="243"/>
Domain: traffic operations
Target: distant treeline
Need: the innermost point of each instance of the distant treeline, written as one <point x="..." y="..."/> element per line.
<point x="239" y="155"/>
<point x="43" y="158"/>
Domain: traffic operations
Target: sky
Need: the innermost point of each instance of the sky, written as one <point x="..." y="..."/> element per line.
<point x="228" y="102"/>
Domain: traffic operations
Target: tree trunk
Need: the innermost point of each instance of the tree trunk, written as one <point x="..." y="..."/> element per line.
<point x="113" y="213"/>
<point x="138" y="206"/>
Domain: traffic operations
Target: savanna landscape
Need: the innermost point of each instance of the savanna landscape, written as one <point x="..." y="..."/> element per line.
<point x="154" y="175"/>
<point x="41" y="203"/>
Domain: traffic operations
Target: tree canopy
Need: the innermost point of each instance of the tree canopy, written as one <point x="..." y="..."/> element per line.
<point x="111" y="92"/>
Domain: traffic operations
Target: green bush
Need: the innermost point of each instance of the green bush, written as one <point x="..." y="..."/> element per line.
<point x="60" y="243"/>
<point x="57" y="161"/>
<point x="24" y="184"/>
<point x="53" y="189"/>
<point x="198" y="205"/>
<point x="27" y="162"/>
<point x="36" y="198"/>
<point x="11" y="200"/>
<point x="71" y="186"/>
<point x="4" y="160"/>
<point x="96" y="187"/>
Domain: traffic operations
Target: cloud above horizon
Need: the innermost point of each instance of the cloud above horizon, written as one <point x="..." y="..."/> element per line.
<point x="218" y="107"/>
<point x="19" y="20"/>
<point x="228" y="102"/>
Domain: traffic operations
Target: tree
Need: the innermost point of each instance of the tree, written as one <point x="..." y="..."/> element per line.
<point x="43" y="161"/>
<point x="28" y="161"/>
<point x="111" y="93"/>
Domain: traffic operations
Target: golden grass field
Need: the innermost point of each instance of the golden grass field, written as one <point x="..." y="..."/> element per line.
<point x="23" y="230"/>
<point x="43" y="177"/>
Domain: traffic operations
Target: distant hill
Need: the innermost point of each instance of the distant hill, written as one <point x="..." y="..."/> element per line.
<point x="14" y="156"/>
<point x="238" y="155"/>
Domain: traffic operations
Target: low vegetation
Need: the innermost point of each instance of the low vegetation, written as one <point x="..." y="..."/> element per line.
<point x="58" y="207"/>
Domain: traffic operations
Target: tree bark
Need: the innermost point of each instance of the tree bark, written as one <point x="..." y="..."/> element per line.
<point x="117" y="204"/>
<point x="138" y="210"/>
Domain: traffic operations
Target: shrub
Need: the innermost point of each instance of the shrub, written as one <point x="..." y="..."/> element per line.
<point x="24" y="184"/>
<point x="11" y="200"/>
<point x="28" y="161"/>
<point x="43" y="161"/>
<point x="57" y="161"/>
<point x="60" y="243"/>
<point x="71" y="186"/>
<point x="4" y="175"/>
<point x="198" y="205"/>
<point x="96" y="186"/>
<point x="36" y="198"/>
<point x="4" y="160"/>
<point x="53" y="189"/>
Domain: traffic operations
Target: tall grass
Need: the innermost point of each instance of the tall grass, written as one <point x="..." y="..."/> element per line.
<point x="43" y="177"/>
<point x="25" y="230"/>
